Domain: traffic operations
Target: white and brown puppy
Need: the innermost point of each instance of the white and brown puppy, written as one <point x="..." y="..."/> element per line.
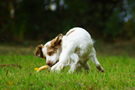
<point x="73" y="49"/>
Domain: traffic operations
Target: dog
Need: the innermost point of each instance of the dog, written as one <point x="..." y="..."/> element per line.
<point x="73" y="49"/>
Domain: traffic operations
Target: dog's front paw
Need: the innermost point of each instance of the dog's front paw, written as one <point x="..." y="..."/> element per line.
<point x="54" y="69"/>
<point x="57" y="67"/>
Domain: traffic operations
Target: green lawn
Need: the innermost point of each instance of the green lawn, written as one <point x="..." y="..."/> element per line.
<point x="119" y="74"/>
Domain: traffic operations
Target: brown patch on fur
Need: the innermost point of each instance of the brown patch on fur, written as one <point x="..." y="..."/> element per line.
<point x="55" y="44"/>
<point x="51" y="50"/>
<point x="70" y="32"/>
<point x="57" y="40"/>
<point x="39" y="51"/>
<point x="100" y="68"/>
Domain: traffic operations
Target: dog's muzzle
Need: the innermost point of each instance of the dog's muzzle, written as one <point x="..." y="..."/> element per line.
<point x="49" y="63"/>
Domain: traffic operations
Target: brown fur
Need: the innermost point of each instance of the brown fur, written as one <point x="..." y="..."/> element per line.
<point x="55" y="44"/>
<point x="57" y="41"/>
<point x="51" y="50"/>
<point x="70" y="32"/>
<point x="100" y="68"/>
<point x="39" y="51"/>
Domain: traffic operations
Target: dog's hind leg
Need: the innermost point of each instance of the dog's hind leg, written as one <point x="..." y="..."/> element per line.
<point x="95" y="61"/>
<point x="87" y="66"/>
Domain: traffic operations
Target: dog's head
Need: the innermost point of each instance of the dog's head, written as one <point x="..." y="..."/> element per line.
<point x="51" y="50"/>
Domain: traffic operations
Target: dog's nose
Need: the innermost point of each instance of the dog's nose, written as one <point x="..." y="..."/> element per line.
<point x="49" y="63"/>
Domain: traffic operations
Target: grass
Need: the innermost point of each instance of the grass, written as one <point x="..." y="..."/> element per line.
<point x="119" y="73"/>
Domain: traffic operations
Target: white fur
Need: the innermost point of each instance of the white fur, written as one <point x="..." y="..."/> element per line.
<point x="77" y="49"/>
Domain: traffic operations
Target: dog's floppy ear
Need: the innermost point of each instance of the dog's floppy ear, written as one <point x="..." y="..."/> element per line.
<point x="39" y="52"/>
<point x="57" y="41"/>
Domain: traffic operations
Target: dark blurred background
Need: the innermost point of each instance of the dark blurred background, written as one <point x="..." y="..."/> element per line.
<point x="107" y="20"/>
<point x="27" y="23"/>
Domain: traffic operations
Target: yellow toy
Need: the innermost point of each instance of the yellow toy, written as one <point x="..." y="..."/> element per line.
<point x="42" y="68"/>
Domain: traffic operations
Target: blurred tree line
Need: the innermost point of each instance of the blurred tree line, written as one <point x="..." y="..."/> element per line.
<point x="44" y="19"/>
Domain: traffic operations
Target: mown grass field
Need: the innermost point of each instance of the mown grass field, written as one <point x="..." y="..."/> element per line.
<point x="119" y="74"/>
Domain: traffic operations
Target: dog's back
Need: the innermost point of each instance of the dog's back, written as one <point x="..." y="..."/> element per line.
<point x="77" y="33"/>
<point x="80" y="38"/>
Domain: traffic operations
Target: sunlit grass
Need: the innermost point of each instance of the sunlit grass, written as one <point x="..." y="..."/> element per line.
<point x="119" y="74"/>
